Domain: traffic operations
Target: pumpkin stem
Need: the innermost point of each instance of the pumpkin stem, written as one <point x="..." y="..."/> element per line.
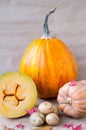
<point x="46" y="29"/>
<point x="69" y="101"/>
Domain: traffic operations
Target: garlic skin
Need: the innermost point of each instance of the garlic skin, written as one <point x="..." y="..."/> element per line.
<point x="52" y="119"/>
<point x="37" y="119"/>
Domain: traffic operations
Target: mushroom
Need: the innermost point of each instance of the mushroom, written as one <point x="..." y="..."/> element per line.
<point x="52" y="119"/>
<point x="37" y="119"/>
<point x="45" y="107"/>
<point x="55" y="109"/>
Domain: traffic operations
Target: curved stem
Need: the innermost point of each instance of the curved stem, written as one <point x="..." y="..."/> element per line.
<point x="68" y="101"/>
<point x="46" y="29"/>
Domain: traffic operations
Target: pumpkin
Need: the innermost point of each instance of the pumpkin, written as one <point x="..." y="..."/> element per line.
<point x="49" y="62"/>
<point x="72" y="98"/>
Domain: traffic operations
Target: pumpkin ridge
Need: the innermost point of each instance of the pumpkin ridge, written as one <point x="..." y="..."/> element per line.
<point x="80" y="101"/>
<point x="41" y="74"/>
<point x="64" y="51"/>
<point x="71" y="59"/>
<point x="69" y="111"/>
<point x="80" y="104"/>
<point x="49" y="63"/>
<point x="24" y="58"/>
<point x="63" y="95"/>
<point x="80" y="110"/>
<point x="37" y="68"/>
<point x="35" y="55"/>
<point x="55" y="66"/>
<point x="79" y="92"/>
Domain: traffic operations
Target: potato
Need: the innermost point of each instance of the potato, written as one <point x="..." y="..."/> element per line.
<point x="52" y="119"/>
<point x="37" y="119"/>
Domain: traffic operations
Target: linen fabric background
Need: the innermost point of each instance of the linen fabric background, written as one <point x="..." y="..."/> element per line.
<point x="21" y="21"/>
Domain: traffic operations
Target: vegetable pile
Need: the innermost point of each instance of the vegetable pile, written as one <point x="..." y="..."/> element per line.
<point x="46" y="113"/>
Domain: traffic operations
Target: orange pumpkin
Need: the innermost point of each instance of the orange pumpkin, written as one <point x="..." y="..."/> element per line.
<point x="72" y="99"/>
<point x="49" y="62"/>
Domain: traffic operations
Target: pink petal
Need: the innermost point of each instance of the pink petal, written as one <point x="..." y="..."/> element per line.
<point x="68" y="125"/>
<point x="73" y="83"/>
<point x="21" y="126"/>
<point x="78" y="127"/>
<point x="30" y="112"/>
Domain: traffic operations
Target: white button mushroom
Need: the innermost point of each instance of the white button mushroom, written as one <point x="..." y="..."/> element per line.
<point x="45" y="107"/>
<point x="37" y="119"/>
<point x="55" y="109"/>
<point x="52" y="119"/>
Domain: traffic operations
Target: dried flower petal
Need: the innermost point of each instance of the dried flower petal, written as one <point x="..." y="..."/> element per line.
<point x="21" y="126"/>
<point x="78" y="127"/>
<point x="68" y="125"/>
<point x="30" y="112"/>
<point x="73" y="83"/>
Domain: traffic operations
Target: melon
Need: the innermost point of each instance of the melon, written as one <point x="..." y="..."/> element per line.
<point x="18" y="93"/>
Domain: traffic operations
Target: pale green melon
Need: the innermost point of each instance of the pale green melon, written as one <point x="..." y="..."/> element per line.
<point x="18" y="93"/>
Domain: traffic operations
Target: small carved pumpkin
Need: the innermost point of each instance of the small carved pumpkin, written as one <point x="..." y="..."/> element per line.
<point x="49" y="63"/>
<point x="72" y="98"/>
